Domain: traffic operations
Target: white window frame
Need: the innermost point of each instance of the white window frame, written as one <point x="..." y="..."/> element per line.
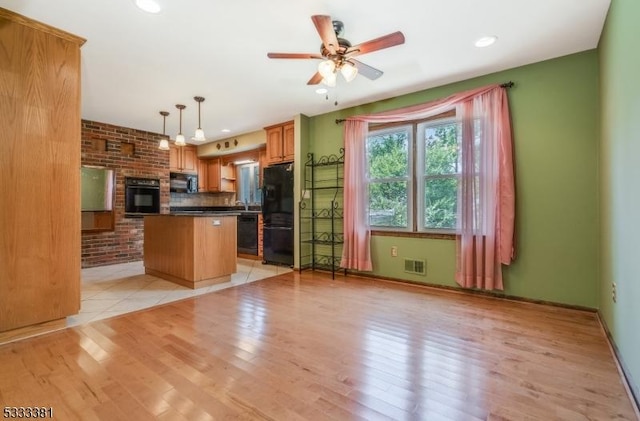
<point x="409" y="179"/>
<point x="421" y="177"/>
<point x="416" y="178"/>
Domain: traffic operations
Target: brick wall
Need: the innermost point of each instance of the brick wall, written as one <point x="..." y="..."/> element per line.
<point x="107" y="146"/>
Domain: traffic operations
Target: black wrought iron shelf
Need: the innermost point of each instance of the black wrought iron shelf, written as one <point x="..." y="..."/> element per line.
<point x="321" y="214"/>
<point x="328" y="188"/>
<point x="323" y="242"/>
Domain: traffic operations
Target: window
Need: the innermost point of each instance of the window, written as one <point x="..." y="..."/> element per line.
<point x="248" y="183"/>
<point x="439" y="174"/>
<point x="412" y="175"/>
<point x="390" y="181"/>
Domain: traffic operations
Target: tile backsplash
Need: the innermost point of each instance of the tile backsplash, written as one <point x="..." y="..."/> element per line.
<point x="202" y="199"/>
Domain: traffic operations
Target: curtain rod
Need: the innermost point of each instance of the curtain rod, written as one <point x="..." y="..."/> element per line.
<point x="507" y="85"/>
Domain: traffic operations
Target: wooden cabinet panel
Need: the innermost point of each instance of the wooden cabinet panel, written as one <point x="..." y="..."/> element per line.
<point x="40" y="241"/>
<point x="183" y="158"/>
<point x="274" y="145"/>
<point x="288" y="143"/>
<point x="213" y="175"/>
<point x="280" y="143"/>
<point x="189" y="159"/>
<point x="174" y="158"/>
<point x="203" y="184"/>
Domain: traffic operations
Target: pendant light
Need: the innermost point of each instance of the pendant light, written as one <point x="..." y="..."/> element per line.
<point x="199" y="132"/>
<point x="180" y="137"/>
<point x="326" y="68"/>
<point x="348" y="71"/>
<point x="164" y="143"/>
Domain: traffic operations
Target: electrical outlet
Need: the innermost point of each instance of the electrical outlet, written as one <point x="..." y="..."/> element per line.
<point x="614" y="295"/>
<point x="394" y="251"/>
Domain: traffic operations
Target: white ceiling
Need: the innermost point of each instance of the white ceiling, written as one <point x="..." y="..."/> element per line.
<point x="135" y="64"/>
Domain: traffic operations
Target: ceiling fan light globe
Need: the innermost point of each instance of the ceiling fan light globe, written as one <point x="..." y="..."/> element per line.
<point x="330" y="80"/>
<point x="164" y="145"/>
<point x="349" y="71"/>
<point x="199" y="136"/>
<point x="326" y="68"/>
<point x="180" y="140"/>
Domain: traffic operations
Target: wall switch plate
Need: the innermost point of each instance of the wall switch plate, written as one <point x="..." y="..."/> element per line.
<point x="394" y="251"/>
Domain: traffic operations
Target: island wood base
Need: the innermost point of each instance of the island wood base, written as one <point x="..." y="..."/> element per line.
<point x="193" y="251"/>
<point x="187" y="283"/>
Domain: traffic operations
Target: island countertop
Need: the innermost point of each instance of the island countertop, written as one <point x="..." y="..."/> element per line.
<point x="204" y="213"/>
<point x="193" y="250"/>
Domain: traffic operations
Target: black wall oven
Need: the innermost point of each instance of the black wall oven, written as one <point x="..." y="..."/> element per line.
<point x="141" y="196"/>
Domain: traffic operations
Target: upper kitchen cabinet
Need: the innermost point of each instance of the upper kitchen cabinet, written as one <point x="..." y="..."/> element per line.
<point x="203" y="183"/>
<point x="217" y="177"/>
<point x="213" y="175"/>
<point x="228" y="178"/>
<point x="39" y="221"/>
<point x="280" y="143"/>
<point x="183" y="159"/>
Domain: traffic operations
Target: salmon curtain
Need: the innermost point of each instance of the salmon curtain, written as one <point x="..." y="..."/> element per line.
<point x="486" y="195"/>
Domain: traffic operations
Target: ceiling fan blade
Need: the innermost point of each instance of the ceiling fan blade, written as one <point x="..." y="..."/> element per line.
<point x="315" y="79"/>
<point x="386" y="41"/>
<point x="294" y="55"/>
<point x="324" y="26"/>
<point x="366" y="70"/>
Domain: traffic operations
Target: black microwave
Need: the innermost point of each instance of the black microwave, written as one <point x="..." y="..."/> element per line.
<point x="183" y="183"/>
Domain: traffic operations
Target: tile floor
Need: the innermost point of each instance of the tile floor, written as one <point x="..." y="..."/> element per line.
<point x="109" y="291"/>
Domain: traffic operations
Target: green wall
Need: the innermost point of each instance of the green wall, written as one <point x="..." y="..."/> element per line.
<point x="620" y="180"/>
<point x="554" y="108"/>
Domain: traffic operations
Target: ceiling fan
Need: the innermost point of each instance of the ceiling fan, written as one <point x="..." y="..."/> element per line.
<point x="337" y="54"/>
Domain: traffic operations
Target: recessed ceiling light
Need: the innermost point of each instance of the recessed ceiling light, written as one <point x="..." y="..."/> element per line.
<point x="485" y="41"/>
<point x="149" y="6"/>
<point x="225" y="130"/>
<point x="321" y="91"/>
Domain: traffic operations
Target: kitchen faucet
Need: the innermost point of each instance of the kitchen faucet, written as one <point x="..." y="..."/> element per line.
<point x="245" y="203"/>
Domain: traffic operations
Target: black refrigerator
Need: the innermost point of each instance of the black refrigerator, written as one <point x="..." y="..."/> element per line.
<point x="277" y="214"/>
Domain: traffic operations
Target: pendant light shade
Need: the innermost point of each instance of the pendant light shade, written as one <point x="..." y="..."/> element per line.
<point x="164" y="143"/>
<point x="326" y="68"/>
<point x="180" y="137"/>
<point x="199" y="136"/>
<point x="348" y="71"/>
<point x="330" y="80"/>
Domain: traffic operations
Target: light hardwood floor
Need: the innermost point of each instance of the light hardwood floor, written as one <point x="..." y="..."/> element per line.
<point x="301" y="346"/>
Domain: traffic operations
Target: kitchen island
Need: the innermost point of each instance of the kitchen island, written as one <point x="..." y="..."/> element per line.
<point x="193" y="250"/>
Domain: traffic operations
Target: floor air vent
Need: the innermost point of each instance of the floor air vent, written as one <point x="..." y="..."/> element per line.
<point x="418" y="267"/>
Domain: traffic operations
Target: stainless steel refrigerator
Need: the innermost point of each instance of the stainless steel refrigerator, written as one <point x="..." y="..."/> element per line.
<point x="277" y="213"/>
